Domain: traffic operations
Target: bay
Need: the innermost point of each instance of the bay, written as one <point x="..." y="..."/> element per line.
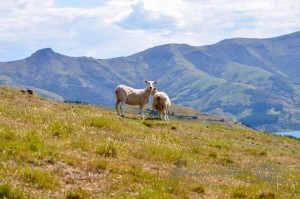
<point x="289" y="133"/>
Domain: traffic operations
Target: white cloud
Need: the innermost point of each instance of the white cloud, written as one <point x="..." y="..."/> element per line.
<point x="140" y="18"/>
<point x="122" y="27"/>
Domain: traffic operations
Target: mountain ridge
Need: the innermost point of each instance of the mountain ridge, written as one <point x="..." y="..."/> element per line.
<point x="254" y="81"/>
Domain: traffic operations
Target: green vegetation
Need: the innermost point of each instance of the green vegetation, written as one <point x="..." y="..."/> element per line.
<point x="56" y="150"/>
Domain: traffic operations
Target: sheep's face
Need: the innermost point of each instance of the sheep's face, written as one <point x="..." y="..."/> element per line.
<point x="150" y="84"/>
<point x="154" y="90"/>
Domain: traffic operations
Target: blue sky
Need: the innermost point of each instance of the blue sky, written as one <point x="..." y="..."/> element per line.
<point x="113" y="28"/>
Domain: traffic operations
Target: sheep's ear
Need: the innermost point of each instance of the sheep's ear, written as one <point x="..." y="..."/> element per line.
<point x="146" y="81"/>
<point x="155" y="82"/>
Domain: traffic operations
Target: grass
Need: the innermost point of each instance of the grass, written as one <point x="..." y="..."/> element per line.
<point x="39" y="179"/>
<point x="55" y="150"/>
<point x="7" y="191"/>
<point x="176" y="112"/>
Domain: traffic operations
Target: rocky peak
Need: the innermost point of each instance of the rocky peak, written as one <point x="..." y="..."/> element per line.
<point x="44" y="52"/>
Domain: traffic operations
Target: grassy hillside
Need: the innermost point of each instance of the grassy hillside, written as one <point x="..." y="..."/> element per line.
<point x="183" y="113"/>
<point x="55" y="150"/>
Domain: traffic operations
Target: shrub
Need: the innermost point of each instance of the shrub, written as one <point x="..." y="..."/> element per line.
<point x="4" y="191"/>
<point x="6" y="133"/>
<point x="77" y="194"/>
<point x="198" y="189"/>
<point x="256" y="152"/>
<point x="62" y="129"/>
<point x="38" y="178"/>
<point x="266" y="196"/>
<point x="239" y="192"/>
<point x="220" y="144"/>
<point x="226" y="160"/>
<point x="213" y="155"/>
<point x="107" y="150"/>
<point x="173" y="128"/>
<point x="101" y="166"/>
<point x="259" y="119"/>
<point x="181" y="163"/>
<point x="7" y="192"/>
<point x="148" y="124"/>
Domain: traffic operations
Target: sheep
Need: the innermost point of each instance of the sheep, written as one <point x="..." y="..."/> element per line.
<point x="161" y="103"/>
<point x="131" y="96"/>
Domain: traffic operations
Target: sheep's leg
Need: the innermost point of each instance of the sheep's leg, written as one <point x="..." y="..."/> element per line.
<point x="121" y="107"/>
<point x="117" y="108"/>
<point x="153" y="111"/>
<point x="167" y="112"/>
<point x="165" y="115"/>
<point x="152" y="114"/>
<point x="141" y="109"/>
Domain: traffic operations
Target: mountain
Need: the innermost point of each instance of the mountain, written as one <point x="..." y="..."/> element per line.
<point x="254" y="81"/>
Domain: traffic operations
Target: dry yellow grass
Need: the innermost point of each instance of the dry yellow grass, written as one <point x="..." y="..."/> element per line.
<point x="54" y="150"/>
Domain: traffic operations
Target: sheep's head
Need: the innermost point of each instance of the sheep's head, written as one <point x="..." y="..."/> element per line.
<point x="154" y="91"/>
<point x="150" y="84"/>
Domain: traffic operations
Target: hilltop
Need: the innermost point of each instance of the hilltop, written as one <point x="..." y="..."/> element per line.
<point x="254" y="81"/>
<point x="56" y="150"/>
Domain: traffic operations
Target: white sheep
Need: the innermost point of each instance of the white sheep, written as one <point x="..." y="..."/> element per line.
<point x="131" y="96"/>
<point x="161" y="103"/>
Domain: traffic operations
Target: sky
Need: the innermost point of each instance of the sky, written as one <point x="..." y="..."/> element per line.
<point x="114" y="28"/>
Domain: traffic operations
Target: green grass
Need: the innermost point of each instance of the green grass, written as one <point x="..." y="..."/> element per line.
<point x="38" y="179"/>
<point x="7" y="191"/>
<point x="55" y="150"/>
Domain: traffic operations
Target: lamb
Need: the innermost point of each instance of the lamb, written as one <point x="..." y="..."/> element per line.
<point x="131" y="96"/>
<point x="161" y="103"/>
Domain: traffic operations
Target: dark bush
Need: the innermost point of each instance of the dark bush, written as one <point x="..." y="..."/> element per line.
<point x="259" y="119"/>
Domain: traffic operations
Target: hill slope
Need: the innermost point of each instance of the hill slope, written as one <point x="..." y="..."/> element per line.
<point x="255" y="81"/>
<point x="55" y="150"/>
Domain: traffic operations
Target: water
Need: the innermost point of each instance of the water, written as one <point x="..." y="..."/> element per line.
<point x="290" y="133"/>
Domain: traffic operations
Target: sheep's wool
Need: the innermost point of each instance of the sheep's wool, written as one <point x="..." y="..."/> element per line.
<point x="159" y="107"/>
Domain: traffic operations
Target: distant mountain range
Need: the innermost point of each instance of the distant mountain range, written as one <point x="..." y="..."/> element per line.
<point x="255" y="81"/>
